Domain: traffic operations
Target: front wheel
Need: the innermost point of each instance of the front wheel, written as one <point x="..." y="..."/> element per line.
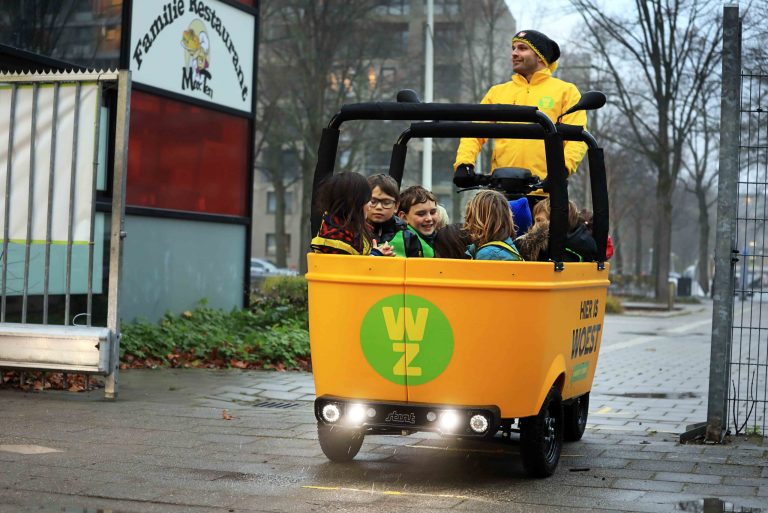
<point x="339" y="443"/>
<point x="541" y="437"/>
<point x="576" y="418"/>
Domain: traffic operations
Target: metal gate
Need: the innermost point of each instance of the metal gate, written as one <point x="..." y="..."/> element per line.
<point x="738" y="395"/>
<point x="54" y="150"/>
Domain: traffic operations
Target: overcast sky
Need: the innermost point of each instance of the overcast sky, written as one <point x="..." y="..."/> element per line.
<point x="557" y="20"/>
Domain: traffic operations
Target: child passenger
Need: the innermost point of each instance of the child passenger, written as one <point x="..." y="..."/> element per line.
<point x="385" y="198"/>
<point x="451" y="242"/>
<point x="579" y="244"/>
<point x="490" y="225"/>
<point x="344" y="199"/>
<point x="418" y="208"/>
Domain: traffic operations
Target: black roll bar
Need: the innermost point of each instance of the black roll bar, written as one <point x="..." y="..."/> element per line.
<point x="513" y="121"/>
<point x="441" y="112"/>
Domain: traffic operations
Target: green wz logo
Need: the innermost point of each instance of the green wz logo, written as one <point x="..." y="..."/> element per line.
<point x="406" y="339"/>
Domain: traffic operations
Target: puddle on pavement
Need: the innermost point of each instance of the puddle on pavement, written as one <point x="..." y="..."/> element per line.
<point x="712" y="505"/>
<point x="69" y="509"/>
<point x="659" y="395"/>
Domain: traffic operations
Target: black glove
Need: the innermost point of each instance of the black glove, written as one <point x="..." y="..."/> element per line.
<point x="464" y="176"/>
<point x="545" y="184"/>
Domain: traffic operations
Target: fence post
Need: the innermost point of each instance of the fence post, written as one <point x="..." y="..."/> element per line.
<point x="725" y="245"/>
<point x="117" y="232"/>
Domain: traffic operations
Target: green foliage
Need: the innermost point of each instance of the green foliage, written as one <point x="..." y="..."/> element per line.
<point x="292" y="289"/>
<point x="272" y="333"/>
<point x="613" y="305"/>
<point x="281" y="298"/>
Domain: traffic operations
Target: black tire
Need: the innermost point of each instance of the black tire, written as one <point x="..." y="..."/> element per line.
<point x="575" y="416"/>
<point x="541" y="437"/>
<point x="339" y="443"/>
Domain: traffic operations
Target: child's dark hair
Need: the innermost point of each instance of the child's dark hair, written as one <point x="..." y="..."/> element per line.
<point x="342" y="196"/>
<point x="413" y="195"/>
<point x="387" y="184"/>
<point x="451" y="241"/>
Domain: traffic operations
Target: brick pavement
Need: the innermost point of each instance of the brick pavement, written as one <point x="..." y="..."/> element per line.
<point x="165" y="446"/>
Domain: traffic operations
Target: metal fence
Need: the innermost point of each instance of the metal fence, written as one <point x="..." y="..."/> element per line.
<point x="738" y="394"/>
<point x="748" y="391"/>
<point x="58" y="251"/>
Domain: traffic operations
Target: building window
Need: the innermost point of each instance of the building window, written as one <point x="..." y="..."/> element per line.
<point x="447" y="38"/>
<point x="271" y="245"/>
<point x="388" y="78"/>
<point x="272" y="202"/>
<point x="449" y="7"/>
<point x="391" y="40"/>
<point x="447" y="81"/>
<point x="394" y="7"/>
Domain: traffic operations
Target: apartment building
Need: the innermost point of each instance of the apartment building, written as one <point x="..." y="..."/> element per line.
<point x="471" y="42"/>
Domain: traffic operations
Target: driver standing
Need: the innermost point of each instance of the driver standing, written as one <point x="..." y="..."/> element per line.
<point x="534" y="58"/>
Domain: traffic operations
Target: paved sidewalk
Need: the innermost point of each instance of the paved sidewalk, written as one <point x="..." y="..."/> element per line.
<point x="169" y="446"/>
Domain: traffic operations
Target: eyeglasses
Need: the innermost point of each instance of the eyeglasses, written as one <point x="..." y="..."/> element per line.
<point x="386" y="203"/>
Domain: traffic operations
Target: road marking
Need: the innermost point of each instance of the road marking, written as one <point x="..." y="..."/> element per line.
<point x="604" y="410"/>
<point x="686" y="327"/>
<point x="624" y="345"/>
<point x="27" y="449"/>
<point x="487" y="451"/>
<point x="388" y="492"/>
<point x="457" y="449"/>
<point x="645" y="338"/>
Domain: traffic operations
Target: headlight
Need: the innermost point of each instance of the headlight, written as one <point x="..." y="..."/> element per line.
<point x="449" y="420"/>
<point x="478" y="423"/>
<point x="331" y="413"/>
<point x="355" y="414"/>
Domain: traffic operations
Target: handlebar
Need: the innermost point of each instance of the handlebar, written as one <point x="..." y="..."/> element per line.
<point x="510" y="181"/>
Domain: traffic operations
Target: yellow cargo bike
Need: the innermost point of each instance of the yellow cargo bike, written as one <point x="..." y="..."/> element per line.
<point x="463" y="348"/>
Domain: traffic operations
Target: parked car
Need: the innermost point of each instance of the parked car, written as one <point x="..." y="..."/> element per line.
<point x="261" y="268"/>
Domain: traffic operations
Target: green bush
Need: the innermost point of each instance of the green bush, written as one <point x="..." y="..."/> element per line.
<point x="205" y="336"/>
<point x="292" y="289"/>
<point x="613" y="305"/>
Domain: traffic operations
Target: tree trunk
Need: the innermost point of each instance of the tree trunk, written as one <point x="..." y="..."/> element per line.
<point x="703" y="274"/>
<point x="617" y="253"/>
<point x="280" y="237"/>
<point x="639" y="253"/>
<point x="663" y="244"/>
<point x="306" y="210"/>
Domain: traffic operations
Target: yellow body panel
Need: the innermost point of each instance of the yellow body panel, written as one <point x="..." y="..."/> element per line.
<point x="517" y="328"/>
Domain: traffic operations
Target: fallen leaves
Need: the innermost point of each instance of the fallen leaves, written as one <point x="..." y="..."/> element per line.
<point x="225" y="415"/>
<point x="38" y="381"/>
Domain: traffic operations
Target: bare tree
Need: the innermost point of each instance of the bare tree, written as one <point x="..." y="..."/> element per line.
<point x="701" y="172"/>
<point x="659" y="57"/>
<point x="35" y="25"/>
<point x="315" y="57"/>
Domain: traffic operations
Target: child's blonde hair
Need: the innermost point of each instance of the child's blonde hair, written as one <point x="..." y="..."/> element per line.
<point x="488" y="218"/>
<point x="442" y="218"/>
<point x="543" y="207"/>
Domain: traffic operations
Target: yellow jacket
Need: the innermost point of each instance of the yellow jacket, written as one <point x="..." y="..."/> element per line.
<point x="553" y="97"/>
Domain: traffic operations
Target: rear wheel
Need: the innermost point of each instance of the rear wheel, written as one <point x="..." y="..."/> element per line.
<point x="541" y="437"/>
<point x="339" y="443"/>
<point x="575" y="415"/>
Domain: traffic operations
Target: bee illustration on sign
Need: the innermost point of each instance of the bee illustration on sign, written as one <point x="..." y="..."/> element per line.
<point x="197" y="50"/>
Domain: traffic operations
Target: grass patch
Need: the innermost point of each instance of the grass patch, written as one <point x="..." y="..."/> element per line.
<point x="613" y="305"/>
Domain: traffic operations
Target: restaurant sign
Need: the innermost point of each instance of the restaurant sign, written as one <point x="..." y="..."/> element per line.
<point x="197" y="48"/>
